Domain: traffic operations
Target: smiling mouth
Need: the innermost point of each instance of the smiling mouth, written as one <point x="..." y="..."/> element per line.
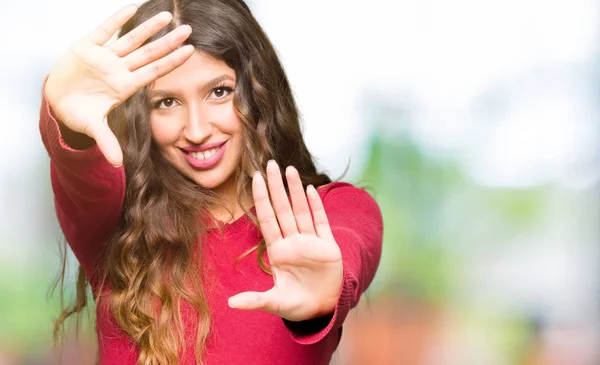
<point x="207" y="158"/>
<point x="205" y="154"/>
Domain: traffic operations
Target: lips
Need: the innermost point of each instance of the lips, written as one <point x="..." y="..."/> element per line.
<point x="205" y="156"/>
<point x="203" y="147"/>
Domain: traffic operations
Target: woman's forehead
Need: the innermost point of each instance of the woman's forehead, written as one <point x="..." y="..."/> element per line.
<point x="198" y="71"/>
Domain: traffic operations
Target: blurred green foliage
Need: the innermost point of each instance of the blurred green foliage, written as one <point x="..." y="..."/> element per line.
<point x="433" y="212"/>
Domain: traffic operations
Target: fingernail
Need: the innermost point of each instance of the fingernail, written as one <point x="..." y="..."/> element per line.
<point x="230" y="303"/>
<point x="255" y="173"/>
<point x="167" y="14"/>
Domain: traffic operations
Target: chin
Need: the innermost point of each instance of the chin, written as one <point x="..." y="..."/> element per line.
<point x="207" y="181"/>
<point x="213" y="179"/>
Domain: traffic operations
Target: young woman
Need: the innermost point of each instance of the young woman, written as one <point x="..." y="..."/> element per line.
<point x="168" y="150"/>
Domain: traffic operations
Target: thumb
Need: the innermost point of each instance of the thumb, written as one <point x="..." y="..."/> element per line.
<point x="106" y="141"/>
<point x="255" y="301"/>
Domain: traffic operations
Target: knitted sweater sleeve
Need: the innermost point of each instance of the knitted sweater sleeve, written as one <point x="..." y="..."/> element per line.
<point x="88" y="192"/>
<point x="357" y="226"/>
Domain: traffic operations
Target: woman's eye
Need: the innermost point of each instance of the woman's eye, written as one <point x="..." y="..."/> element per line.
<point x="165" y="103"/>
<point x="221" y="92"/>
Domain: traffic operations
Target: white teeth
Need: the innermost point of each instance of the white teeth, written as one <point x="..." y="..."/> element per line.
<point x="204" y="155"/>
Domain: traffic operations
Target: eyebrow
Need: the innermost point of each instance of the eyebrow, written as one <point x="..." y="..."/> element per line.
<point x="219" y="79"/>
<point x="206" y="86"/>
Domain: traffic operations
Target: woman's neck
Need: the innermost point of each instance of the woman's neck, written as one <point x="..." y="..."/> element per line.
<point x="229" y="209"/>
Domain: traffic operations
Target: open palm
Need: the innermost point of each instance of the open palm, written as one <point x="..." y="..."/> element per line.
<point x="305" y="260"/>
<point x="93" y="77"/>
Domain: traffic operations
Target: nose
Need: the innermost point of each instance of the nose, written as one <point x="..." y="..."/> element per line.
<point x="197" y="126"/>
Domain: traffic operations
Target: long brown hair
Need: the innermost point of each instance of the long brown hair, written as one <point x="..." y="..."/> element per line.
<point x="149" y="261"/>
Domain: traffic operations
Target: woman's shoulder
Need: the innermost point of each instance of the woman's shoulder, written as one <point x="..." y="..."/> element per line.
<point x="344" y="190"/>
<point x="349" y="205"/>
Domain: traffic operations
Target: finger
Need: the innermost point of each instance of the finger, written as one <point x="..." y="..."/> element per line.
<point x="106" y="30"/>
<point x="280" y="200"/>
<point x="300" y="206"/>
<point x="319" y="215"/>
<point x="161" y="67"/>
<point x="107" y="142"/>
<point x="132" y="40"/>
<point x="267" y="221"/>
<point x="266" y="301"/>
<point x="157" y="49"/>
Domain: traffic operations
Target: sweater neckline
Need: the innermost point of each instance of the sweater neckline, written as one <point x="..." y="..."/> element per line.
<point x="242" y="223"/>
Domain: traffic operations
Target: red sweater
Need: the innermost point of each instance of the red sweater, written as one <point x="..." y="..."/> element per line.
<point x="88" y="196"/>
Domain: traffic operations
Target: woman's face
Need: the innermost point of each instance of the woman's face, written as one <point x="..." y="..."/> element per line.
<point x="194" y="122"/>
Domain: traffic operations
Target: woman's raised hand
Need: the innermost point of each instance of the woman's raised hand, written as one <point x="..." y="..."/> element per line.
<point x="93" y="77"/>
<point x="305" y="259"/>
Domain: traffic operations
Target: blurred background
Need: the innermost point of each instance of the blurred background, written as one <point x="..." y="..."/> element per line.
<point x="473" y="123"/>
